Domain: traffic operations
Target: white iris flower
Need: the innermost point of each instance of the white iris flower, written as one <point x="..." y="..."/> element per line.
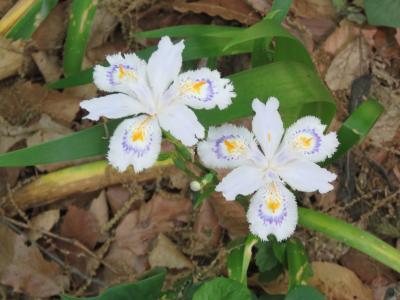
<point x="263" y="161"/>
<point x="159" y="97"/>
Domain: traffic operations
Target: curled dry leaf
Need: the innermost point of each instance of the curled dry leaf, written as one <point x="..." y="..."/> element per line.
<point x="349" y="64"/>
<point x="262" y="6"/>
<point x="137" y="230"/>
<point x="43" y="222"/>
<point x="341" y="37"/>
<point x="117" y="195"/>
<point x="231" y="215"/>
<point x="335" y="282"/>
<point x="103" y="25"/>
<point x="24" y="268"/>
<point x="227" y="9"/>
<point x="99" y="209"/>
<point x="314" y="8"/>
<point x="12" y="58"/>
<point x="206" y="230"/>
<point x="48" y="65"/>
<point x="166" y="254"/>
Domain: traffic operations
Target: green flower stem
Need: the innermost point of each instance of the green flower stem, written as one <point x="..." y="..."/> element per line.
<point x="352" y="236"/>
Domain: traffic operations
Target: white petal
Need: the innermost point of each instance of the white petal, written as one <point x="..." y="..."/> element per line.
<point x="227" y="146"/>
<point x="306" y="176"/>
<point x="164" y="65"/>
<point x="182" y="123"/>
<point x="112" y="106"/>
<point x="305" y="138"/>
<point x="124" y="72"/>
<point x="135" y="142"/>
<point x="243" y="180"/>
<point x="205" y="89"/>
<point x="267" y="125"/>
<point x="273" y="210"/>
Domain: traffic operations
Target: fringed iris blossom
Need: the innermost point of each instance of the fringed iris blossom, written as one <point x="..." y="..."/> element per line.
<point x="267" y="159"/>
<point x="158" y="97"/>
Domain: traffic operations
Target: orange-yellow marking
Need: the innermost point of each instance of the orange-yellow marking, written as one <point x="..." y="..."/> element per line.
<point x="273" y="204"/>
<point x="305" y="141"/>
<point x="233" y="146"/>
<point x="139" y="132"/>
<point x="198" y="85"/>
<point x="122" y="72"/>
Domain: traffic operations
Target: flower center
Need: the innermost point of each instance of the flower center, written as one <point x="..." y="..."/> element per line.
<point x="273" y="204"/>
<point x="139" y="133"/>
<point x="190" y="86"/>
<point x="234" y="146"/>
<point x="124" y="72"/>
<point x="304" y="141"/>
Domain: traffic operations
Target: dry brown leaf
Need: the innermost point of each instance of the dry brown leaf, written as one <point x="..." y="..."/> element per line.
<point x="44" y="221"/>
<point x="227" y="9"/>
<point x="48" y="65"/>
<point x="337" y="282"/>
<point x="231" y="215"/>
<point x="314" y="8"/>
<point x="349" y="64"/>
<point x="262" y="6"/>
<point x="51" y="32"/>
<point x="99" y="208"/>
<point x="366" y="268"/>
<point x="25" y="269"/>
<point x="103" y="25"/>
<point x="137" y="230"/>
<point x="117" y="196"/>
<point x="341" y="37"/>
<point x="166" y="254"/>
<point x="206" y="230"/>
<point x="12" y="58"/>
<point x="81" y="225"/>
<point x="386" y="128"/>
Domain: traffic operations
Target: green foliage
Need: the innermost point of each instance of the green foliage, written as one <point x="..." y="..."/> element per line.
<point x="265" y="257"/>
<point x="239" y="260"/>
<point x="79" y="26"/>
<point x="145" y="289"/>
<point x="383" y="12"/>
<point x="221" y="289"/>
<point x="352" y="236"/>
<point x="303" y="293"/>
<point x="298" y="265"/>
<point x="27" y="25"/>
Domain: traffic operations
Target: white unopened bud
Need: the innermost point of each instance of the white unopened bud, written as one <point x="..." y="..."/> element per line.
<point x="195" y="186"/>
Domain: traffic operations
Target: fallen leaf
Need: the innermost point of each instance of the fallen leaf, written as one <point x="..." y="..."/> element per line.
<point x="206" y="230"/>
<point x="314" y="8"/>
<point x="48" y="65"/>
<point x="117" y="196"/>
<point x="262" y="6"/>
<point x="337" y="282"/>
<point x="44" y="221"/>
<point x="166" y="254"/>
<point x="103" y="25"/>
<point x="349" y="64"/>
<point x="341" y="37"/>
<point x="81" y="225"/>
<point x="231" y="215"/>
<point x="25" y="269"/>
<point x="137" y="230"/>
<point x="12" y="57"/>
<point x="227" y="9"/>
<point x="99" y="208"/>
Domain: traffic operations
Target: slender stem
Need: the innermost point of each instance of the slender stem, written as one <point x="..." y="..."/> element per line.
<point x="352" y="236"/>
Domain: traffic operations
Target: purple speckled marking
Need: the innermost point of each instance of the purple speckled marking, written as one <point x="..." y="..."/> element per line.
<point x="113" y="69"/>
<point x="217" y="148"/>
<point x="317" y="139"/>
<point x="131" y="149"/>
<point x="277" y="220"/>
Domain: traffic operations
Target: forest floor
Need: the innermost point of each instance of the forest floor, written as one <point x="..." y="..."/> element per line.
<point x="108" y="229"/>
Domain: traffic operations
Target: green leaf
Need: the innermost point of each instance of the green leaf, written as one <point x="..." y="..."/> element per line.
<point x="383" y="12"/>
<point x="281" y="7"/>
<point x="305" y="292"/>
<point x="352" y="236"/>
<point x="265" y="257"/>
<point x="190" y="31"/>
<point x="145" y="289"/>
<point x="272" y="274"/>
<point x="268" y="28"/>
<point x="272" y="297"/>
<point x="299" y="90"/>
<point x="222" y="289"/>
<point x="356" y="127"/>
<point x="279" y="250"/>
<point x="298" y="265"/>
<point x="79" y="26"/>
<point x="239" y="260"/>
<point x="27" y="25"/>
